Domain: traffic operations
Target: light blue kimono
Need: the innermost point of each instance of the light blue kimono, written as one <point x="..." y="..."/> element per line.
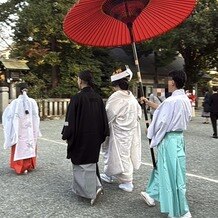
<point x="167" y="182"/>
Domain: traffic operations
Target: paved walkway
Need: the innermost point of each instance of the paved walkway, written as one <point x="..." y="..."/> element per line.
<point x="46" y="191"/>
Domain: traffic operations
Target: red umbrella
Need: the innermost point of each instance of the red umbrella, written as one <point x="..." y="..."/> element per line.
<point x="105" y="23"/>
<point x="110" y="23"/>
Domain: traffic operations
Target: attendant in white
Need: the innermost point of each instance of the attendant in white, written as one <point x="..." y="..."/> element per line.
<point x="21" y="121"/>
<point x="167" y="183"/>
<point x="122" y="150"/>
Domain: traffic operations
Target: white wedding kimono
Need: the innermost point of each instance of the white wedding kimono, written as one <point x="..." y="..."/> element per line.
<point x="122" y="149"/>
<point x="21" y="129"/>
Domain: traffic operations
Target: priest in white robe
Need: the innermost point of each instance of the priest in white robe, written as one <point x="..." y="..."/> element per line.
<point x="122" y="150"/>
<point x="167" y="183"/>
<point x="20" y="122"/>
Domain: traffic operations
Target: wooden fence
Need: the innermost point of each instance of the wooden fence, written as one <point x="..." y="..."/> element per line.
<point x="52" y="108"/>
<point x="56" y="108"/>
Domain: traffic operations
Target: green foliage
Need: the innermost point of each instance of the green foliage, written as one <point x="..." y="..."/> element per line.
<point x="163" y="48"/>
<point x="55" y="61"/>
<point x="196" y="40"/>
<point x="36" y="86"/>
<point x="52" y="58"/>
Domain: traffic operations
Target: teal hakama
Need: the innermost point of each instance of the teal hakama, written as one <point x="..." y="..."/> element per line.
<point x="167" y="182"/>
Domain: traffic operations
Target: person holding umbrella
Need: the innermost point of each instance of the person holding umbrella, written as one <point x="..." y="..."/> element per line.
<point x="122" y="150"/>
<point x="85" y="129"/>
<point x="167" y="183"/>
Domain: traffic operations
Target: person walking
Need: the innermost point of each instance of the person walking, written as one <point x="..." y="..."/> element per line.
<point x="213" y="102"/>
<point x="206" y="107"/>
<point x="85" y="129"/>
<point x="167" y="183"/>
<point x="192" y="98"/>
<point x="21" y="122"/>
<point x="157" y="99"/>
<point x="122" y="150"/>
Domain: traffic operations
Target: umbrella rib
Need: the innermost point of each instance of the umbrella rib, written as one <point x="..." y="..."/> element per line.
<point x="86" y="33"/>
<point x="163" y="16"/>
<point x="89" y="36"/>
<point x="167" y="14"/>
<point x="148" y="27"/>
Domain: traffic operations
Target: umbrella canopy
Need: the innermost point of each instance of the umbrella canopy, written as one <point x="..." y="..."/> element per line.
<point x="110" y="23"/>
<point x="107" y="23"/>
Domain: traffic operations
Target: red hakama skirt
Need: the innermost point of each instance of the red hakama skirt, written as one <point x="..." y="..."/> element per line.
<point x="21" y="165"/>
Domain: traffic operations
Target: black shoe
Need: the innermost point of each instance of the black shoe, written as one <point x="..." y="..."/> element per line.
<point x="215" y="136"/>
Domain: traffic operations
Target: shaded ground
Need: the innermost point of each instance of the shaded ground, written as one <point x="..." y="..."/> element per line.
<point x="46" y="191"/>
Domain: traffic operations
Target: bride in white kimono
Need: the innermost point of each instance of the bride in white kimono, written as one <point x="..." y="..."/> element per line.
<point x="122" y="149"/>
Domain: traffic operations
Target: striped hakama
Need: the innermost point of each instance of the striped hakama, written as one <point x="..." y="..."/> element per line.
<point x="86" y="180"/>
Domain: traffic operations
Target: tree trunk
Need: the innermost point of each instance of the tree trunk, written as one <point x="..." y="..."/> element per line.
<point x="55" y="76"/>
<point x="189" y="67"/>
<point x="55" y="68"/>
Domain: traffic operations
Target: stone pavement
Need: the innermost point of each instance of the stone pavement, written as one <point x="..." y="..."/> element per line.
<point x="46" y="192"/>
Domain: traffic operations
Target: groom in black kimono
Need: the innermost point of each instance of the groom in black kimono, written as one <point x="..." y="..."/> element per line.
<point x="85" y="129"/>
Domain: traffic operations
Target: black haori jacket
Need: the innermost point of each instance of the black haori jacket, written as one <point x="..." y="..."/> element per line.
<point x="86" y="127"/>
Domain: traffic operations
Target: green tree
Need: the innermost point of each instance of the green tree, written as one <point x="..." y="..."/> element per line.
<point x="195" y="39"/>
<point x="39" y="38"/>
<point x="55" y="60"/>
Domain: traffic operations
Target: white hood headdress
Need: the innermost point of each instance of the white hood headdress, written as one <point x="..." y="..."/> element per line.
<point x="123" y="74"/>
<point x="25" y="100"/>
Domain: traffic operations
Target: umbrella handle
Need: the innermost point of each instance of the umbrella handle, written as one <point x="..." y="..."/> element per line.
<point x="142" y="94"/>
<point x="147" y="125"/>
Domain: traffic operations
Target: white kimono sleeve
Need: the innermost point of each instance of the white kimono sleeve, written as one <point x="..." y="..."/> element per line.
<point x="160" y="123"/>
<point x="9" y="131"/>
<point x="36" y="120"/>
<point x="113" y="106"/>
